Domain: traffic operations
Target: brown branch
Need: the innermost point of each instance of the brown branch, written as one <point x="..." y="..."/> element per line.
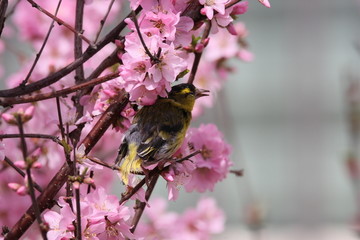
<point x="77" y="200"/>
<point x="133" y="190"/>
<point x="3" y="7"/>
<point x="78" y="51"/>
<point x="232" y="3"/>
<point x="24" y="82"/>
<point x="237" y="173"/>
<point x="18" y="170"/>
<point x="42" y="96"/>
<point x="112" y="113"/>
<point x="79" y="72"/>
<point x="29" y="179"/>
<point x="140" y="206"/>
<point x="89" y="52"/>
<point x="78" y="214"/>
<point x="129" y="194"/>
<point x="32" y="135"/>
<point x="153" y="59"/>
<point x="198" y="54"/>
<point x="61" y="22"/>
<point x="45" y="199"/>
<point x="102" y="22"/>
<point x="104" y="164"/>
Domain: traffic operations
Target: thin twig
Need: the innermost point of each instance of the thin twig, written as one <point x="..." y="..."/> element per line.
<point x="61" y="22"/>
<point x="152" y="58"/>
<point x="79" y="71"/>
<point x="79" y="17"/>
<point x="133" y="190"/>
<point x="63" y="92"/>
<point x="232" y="3"/>
<point x="78" y="214"/>
<point x="77" y="199"/>
<point x="45" y="200"/>
<point x="61" y="125"/>
<point x="91" y="175"/>
<point x="24" y="82"/>
<point x="32" y="135"/>
<point x="238" y="173"/>
<point x="65" y="140"/>
<point x="140" y="206"/>
<point x="129" y="194"/>
<point x="102" y="22"/>
<point x="198" y="54"/>
<point x="11" y="164"/>
<point x="29" y="178"/>
<point x="104" y="164"/>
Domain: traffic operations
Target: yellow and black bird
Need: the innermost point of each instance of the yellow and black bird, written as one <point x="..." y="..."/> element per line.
<point x="158" y="130"/>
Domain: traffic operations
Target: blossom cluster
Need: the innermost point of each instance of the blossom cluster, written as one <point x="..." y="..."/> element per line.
<point x="104" y="218"/>
<point x="198" y="223"/>
<point x="202" y="171"/>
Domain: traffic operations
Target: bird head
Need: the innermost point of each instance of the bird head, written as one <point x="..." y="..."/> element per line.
<point x="185" y="94"/>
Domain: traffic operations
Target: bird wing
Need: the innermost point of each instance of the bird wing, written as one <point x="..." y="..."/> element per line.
<point x="157" y="129"/>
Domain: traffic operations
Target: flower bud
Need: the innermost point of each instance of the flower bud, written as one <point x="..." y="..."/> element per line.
<point x="232" y="29"/>
<point x="20" y="164"/>
<point x="37" y="165"/>
<point x="14" y="186"/>
<point x="199" y="47"/>
<point x="9" y="118"/>
<point x="22" y="191"/>
<point x="76" y="185"/>
<point x="89" y="180"/>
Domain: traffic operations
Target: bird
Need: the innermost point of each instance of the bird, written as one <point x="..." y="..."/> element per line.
<point x="157" y="131"/>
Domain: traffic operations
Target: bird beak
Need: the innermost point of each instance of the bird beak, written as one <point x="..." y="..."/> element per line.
<point x="201" y="93"/>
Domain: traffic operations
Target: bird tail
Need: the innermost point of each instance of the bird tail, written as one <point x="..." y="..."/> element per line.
<point x="131" y="164"/>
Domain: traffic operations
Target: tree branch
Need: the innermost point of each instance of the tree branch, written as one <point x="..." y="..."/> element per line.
<point x="24" y="82"/>
<point x="198" y="54"/>
<point x="30" y="183"/>
<point x="42" y="96"/>
<point x="102" y="22"/>
<point x="61" y="22"/>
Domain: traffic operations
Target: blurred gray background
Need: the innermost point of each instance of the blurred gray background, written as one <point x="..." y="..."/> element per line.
<point x="285" y="114"/>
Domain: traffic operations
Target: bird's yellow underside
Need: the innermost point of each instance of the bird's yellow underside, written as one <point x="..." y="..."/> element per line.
<point x="132" y="163"/>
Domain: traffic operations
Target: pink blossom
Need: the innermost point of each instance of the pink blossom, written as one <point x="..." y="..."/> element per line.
<point x="225" y="19"/>
<point x="203" y="221"/>
<point x="211" y="5"/>
<point x="161" y="24"/>
<point x="194" y="224"/>
<point x="245" y="55"/>
<point x="102" y="218"/>
<point x="162" y="224"/>
<point x="143" y="78"/>
<point x="266" y="3"/>
<point x="212" y="165"/>
<point x="60" y="225"/>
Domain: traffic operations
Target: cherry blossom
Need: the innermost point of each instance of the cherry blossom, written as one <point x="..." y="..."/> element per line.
<point x="211" y="5"/>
